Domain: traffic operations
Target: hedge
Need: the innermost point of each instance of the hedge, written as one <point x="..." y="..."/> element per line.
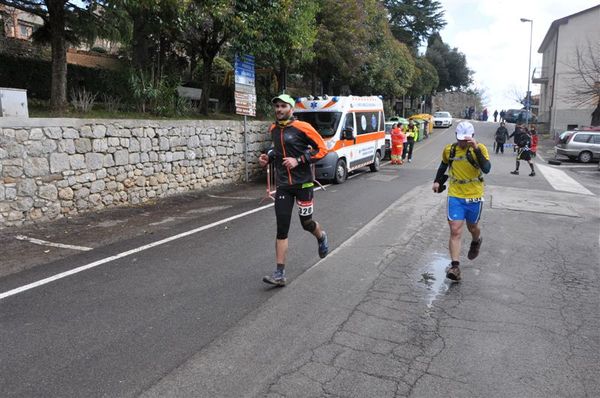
<point x="35" y="76"/>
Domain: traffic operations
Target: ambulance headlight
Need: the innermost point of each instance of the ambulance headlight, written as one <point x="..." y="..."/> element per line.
<point x="330" y="144"/>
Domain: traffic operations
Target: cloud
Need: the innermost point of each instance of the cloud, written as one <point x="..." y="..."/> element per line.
<point x="496" y="42"/>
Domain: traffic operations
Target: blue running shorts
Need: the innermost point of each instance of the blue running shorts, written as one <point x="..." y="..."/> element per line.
<point x="460" y="209"/>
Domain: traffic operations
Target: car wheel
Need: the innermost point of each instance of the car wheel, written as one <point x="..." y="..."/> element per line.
<point x="376" y="165"/>
<point x="341" y="173"/>
<point x="585" y="157"/>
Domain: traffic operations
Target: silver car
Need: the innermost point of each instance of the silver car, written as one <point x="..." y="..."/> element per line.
<point x="582" y="145"/>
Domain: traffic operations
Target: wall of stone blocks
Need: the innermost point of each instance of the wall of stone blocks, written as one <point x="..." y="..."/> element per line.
<point x="51" y="168"/>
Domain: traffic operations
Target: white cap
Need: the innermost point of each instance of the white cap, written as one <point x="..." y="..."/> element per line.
<point x="464" y="130"/>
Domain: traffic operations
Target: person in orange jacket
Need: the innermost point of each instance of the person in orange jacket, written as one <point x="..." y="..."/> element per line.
<point x="534" y="141"/>
<point x="397" y="144"/>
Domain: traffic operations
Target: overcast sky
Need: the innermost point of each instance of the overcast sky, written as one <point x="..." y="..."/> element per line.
<point x="496" y="42"/>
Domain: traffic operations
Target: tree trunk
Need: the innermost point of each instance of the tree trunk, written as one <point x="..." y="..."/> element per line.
<point x="58" y="90"/>
<point x="596" y="115"/>
<point x="282" y="75"/>
<point x="207" y="69"/>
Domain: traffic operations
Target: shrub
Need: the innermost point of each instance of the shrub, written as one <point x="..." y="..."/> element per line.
<point x="82" y="100"/>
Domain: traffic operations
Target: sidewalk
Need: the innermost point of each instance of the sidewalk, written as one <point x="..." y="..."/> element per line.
<point x="377" y="318"/>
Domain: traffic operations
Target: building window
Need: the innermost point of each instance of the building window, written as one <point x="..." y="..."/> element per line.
<point x="24" y="31"/>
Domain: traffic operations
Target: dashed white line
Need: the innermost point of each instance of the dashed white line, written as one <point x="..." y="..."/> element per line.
<point x="51" y="244"/>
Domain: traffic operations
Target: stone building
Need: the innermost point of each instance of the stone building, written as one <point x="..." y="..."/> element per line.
<point x="561" y="108"/>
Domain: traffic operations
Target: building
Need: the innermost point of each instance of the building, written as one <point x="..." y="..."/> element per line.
<point x="561" y="108"/>
<point x="19" y="24"/>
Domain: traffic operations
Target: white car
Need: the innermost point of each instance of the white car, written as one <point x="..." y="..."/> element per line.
<point x="442" y="119"/>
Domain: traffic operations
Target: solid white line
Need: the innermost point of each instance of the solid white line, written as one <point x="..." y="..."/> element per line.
<point x="230" y="197"/>
<point x="125" y="254"/>
<point x="52" y="244"/>
<point x="561" y="181"/>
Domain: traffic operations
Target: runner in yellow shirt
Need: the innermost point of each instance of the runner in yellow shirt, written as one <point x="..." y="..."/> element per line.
<point x="467" y="161"/>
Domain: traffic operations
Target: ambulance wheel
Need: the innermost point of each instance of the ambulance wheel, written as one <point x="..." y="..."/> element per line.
<point x="341" y="173"/>
<point x="376" y="165"/>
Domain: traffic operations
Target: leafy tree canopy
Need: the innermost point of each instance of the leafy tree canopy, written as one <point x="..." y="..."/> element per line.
<point x="413" y="21"/>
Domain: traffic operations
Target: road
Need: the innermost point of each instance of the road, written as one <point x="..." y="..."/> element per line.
<point x="166" y="291"/>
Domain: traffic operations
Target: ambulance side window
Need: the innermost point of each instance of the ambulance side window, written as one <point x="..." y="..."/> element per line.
<point x="366" y="122"/>
<point x="349" y="121"/>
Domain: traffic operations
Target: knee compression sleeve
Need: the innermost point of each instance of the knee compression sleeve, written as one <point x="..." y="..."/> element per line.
<point x="307" y="223"/>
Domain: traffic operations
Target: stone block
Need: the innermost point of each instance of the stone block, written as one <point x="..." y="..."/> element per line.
<point x="137" y="132"/>
<point x="16" y="150"/>
<point x="164" y="144"/>
<point x="49" y="192"/>
<point x="36" y="134"/>
<point x="21" y="135"/>
<point x="35" y="148"/>
<point x="67" y="146"/>
<point x="3" y="153"/>
<point x="109" y="161"/>
<point x="113" y="141"/>
<point x="70" y="133"/>
<point x="26" y="187"/>
<point x="100" y="145"/>
<point x="82" y="193"/>
<point x="77" y="162"/>
<point x="66" y="194"/>
<point x="53" y="132"/>
<point x="122" y="157"/>
<point x="145" y="144"/>
<point x="149" y="132"/>
<point x="94" y="161"/>
<point x="36" y="167"/>
<point x="193" y="141"/>
<point x="99" y="131"/>
<point x="97" y="186"/>
<point x="49" y="146"/>
<point x="22" y="204"/>
<point x="134" y="158"/>
<point x="83" y="145"/>
<point x="134" y="145"/>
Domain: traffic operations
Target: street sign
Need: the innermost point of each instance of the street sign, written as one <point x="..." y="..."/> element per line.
<point x="245" y="90"/>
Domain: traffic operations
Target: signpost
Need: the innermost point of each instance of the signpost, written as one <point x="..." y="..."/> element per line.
<point x="245" y="94"/>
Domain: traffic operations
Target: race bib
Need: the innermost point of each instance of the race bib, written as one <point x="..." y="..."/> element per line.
<point x="474" y="200"/>
<point x="305" y="208"/>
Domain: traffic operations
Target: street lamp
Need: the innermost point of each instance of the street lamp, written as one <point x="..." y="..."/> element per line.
<point x="528" y="96"/>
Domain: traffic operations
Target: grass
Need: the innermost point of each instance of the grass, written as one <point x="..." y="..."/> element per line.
<point x="42" y="110"/>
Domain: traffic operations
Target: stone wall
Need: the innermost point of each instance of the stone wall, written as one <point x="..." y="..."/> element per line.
<point x="455" y="102"/>
<point x="51" y="168"/>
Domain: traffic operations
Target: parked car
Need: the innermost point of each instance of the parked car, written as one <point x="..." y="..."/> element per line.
<point x="582" y="145"/>
<point x="519" y="115"/>
<point x="442" y="119"/>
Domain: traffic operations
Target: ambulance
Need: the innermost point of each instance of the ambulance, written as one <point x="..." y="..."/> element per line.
<point x="353" y="129"/>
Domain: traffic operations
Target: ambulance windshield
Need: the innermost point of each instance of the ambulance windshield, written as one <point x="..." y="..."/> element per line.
<point x="326" y="123"/>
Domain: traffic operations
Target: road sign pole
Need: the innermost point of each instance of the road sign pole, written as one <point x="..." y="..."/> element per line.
<point x="245" y="148"/>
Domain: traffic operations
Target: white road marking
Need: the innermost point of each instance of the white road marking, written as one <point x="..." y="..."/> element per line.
<point x="52" y="244"/>
<point x="561" y="181"/>
<point x="231" y="197"/>
<point x="126" y="253"/>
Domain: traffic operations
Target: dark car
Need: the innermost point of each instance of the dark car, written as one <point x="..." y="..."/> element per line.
<point x="519" y="116"/>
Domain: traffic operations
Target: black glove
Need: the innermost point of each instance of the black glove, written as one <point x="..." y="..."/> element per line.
<point x="442" y="183"/>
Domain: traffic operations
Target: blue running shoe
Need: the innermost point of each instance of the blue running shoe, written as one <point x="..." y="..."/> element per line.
<point x="323" y="245"/>
<point x="277" y="279"/>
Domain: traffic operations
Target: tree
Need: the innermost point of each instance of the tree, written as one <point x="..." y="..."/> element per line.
<point x="451" y="65"/>
<point x="413" y="21"/>
<point x="281" y="34"/>
<point x="64" y="22"/>
<point x="584" y="78"/>
<point x="426" y="78"/>
<point x="341" y="43"/>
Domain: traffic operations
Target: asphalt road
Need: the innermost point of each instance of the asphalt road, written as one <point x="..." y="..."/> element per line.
<point x="124" y="325"/>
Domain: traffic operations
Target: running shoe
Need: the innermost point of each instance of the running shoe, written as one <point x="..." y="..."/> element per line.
<point x="453" y="273"/>
<point x="323" y="245"/>
<point x="516" y="172"/>
<point x="474" y="249"/>
<point x="277" y="279"/>
<point x="532" y="174"/>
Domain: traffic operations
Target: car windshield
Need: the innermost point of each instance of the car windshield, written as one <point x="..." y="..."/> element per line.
<point x="441" y="114"/>
<point x="564" y="137"/>
<point x="326" y="123"/>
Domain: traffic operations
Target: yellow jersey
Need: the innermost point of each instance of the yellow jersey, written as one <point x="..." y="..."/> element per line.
<point x="465" y="181"/>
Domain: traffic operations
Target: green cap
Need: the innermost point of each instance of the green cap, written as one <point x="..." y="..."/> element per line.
<point x="284" y="98"/>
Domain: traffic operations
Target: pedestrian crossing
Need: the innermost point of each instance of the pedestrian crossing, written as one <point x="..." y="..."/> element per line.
<point x="561" y="181"/>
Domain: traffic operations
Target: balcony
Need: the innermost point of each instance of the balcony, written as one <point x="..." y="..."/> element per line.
<point x="539" y="76"/>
